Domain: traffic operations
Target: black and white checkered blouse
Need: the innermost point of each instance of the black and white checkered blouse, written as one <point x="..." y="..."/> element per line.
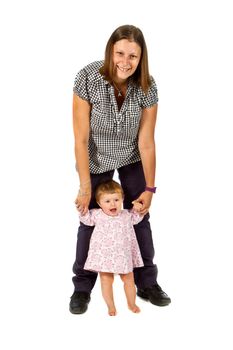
<point x="113" y="140"/>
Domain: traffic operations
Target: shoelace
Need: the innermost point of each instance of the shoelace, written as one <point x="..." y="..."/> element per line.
<point x="80" y="295"/>
<point x="158" y="288"/>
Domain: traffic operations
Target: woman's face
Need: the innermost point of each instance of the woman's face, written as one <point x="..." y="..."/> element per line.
<point x="126" y="57"/>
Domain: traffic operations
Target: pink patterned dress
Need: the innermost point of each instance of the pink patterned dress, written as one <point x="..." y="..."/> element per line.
<point x="113" y="245"/>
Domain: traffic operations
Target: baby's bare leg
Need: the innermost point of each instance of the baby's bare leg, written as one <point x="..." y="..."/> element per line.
<point x="106" y="280"/>
<point x="130" y="291"/>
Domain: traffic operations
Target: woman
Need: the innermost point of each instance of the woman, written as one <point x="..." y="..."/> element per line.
<point x="114" y="116"/>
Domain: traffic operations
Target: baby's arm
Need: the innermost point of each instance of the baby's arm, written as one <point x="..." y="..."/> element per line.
<point x="89" y="218"/>
<point x="136" y="217"/>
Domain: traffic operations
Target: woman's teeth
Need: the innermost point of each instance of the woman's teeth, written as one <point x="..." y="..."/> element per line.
<point x="124" y="69"/>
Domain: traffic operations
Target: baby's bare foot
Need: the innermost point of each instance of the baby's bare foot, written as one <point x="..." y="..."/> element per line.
<point x="112" y="312"/>
<point x="134" y="308"/>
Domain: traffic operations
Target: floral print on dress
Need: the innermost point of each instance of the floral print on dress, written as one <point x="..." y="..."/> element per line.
<point x="113" y="245"/>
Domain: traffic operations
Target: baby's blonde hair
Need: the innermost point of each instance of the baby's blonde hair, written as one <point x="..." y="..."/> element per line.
<point x="109" y="186"/>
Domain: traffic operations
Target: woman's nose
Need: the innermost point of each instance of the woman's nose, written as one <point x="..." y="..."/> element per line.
<point x="125" y="61"/>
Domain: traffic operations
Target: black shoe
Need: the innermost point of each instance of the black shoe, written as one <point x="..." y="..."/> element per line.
<point x="79" y="302"/>
<point x="155" y="295"/>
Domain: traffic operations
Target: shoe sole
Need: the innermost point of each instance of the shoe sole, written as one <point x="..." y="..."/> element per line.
<point x="78" y="312"/>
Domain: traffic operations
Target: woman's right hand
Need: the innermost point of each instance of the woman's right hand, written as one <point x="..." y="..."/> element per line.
<point x="82" y="203"/>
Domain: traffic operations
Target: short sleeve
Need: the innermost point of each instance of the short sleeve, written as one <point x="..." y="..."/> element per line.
<point x="81" y="85"/>
<point x="135" y="217"/>
<point x="151" y="98"/>
<point x="89" y="218"/>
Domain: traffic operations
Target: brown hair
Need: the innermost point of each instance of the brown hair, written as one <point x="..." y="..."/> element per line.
<point x="109" y="186"/>
<point x="141" y="76"/>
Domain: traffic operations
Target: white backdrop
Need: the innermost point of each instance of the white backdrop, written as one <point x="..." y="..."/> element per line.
<point x="43" y="45"/>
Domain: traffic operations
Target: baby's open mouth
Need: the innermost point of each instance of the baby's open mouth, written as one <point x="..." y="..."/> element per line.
<point x="113" y="210"/>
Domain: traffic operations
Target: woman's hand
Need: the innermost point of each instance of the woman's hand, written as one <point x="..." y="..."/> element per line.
<point x="82" y="202"/>
<point x="144" y="199"/>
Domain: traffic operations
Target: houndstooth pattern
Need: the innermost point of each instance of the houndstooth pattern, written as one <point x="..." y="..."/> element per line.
<point x="113" y="141"/>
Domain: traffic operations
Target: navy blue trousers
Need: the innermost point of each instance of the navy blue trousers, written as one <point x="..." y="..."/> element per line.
<point x="133" y="183"/>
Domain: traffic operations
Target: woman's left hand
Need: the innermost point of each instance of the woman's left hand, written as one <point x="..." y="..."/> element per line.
<point x="144" y="199"/>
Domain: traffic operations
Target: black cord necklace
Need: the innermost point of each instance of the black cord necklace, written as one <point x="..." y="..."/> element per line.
<point x="119" y="93"/>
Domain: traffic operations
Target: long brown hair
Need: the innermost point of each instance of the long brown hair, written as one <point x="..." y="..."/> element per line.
<point x="141" y="76"/>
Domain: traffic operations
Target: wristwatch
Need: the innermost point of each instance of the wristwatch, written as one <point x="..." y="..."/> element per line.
<point x="150" y="189"/>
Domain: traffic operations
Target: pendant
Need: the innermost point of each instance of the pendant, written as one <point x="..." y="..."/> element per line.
<point x="119" y="94"/>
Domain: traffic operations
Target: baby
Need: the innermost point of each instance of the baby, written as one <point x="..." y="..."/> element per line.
<point x="113" y="247"/>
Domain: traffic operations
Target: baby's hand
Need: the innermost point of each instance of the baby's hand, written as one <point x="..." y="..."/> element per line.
<point x="137" y="206"/>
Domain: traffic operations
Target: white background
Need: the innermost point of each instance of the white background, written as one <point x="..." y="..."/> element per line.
<point x="43" y="45"/>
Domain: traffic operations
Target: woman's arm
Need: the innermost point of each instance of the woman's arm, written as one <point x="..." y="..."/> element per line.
<point x="146" y="145"/>
<point x="81" y="127"/>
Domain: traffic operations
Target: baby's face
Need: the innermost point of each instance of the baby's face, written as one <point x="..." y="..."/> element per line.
<point x="111" y="203"/>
